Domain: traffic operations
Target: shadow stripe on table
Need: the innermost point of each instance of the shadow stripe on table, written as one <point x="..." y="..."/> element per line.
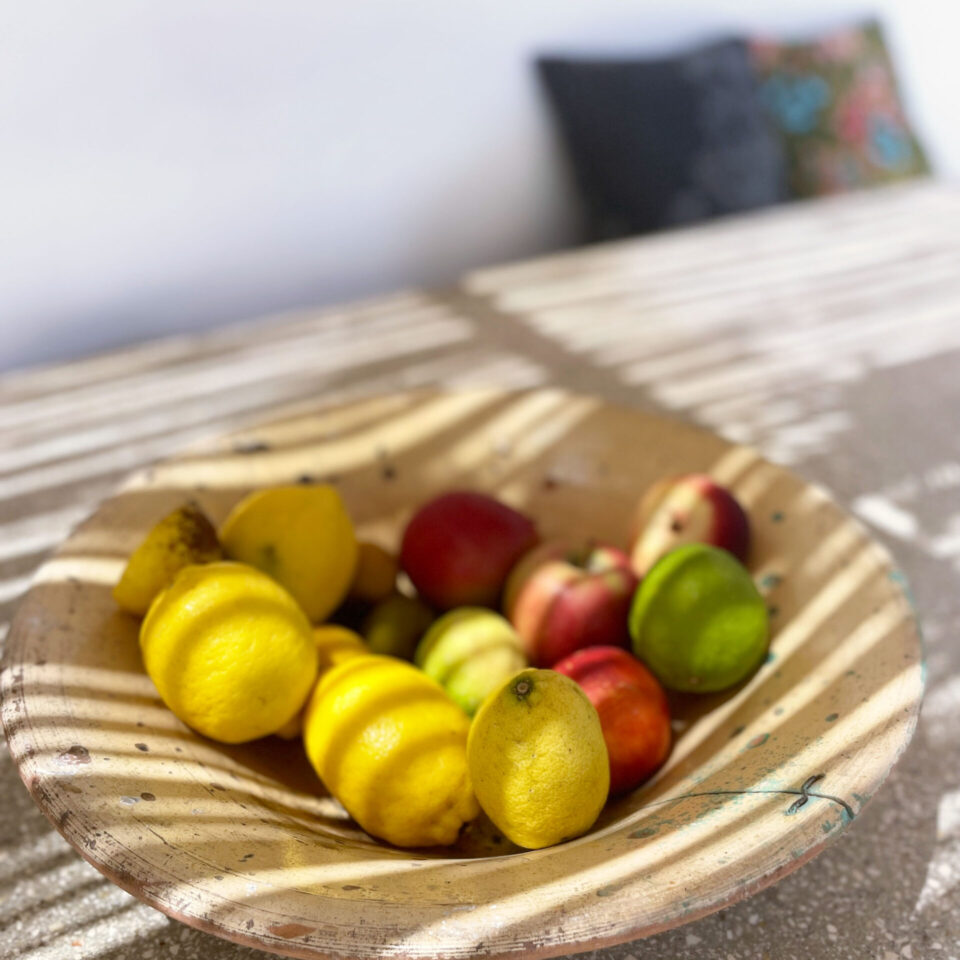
<point x="774" y="232"/>
<point x="193" y="404"/>
<point x="140" y="357"/>
<point x="725" y="295"/>
<point x="437" y="322"/>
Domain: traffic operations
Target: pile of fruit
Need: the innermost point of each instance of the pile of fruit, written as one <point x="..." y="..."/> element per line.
<point x="478" y="669"/>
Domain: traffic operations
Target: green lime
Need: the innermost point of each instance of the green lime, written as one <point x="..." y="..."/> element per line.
<point x="698" y="621"/>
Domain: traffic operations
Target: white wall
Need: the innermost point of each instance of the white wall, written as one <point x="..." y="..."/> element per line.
<point x="172" y="165"/>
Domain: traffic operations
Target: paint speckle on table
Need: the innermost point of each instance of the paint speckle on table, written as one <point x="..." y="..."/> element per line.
<point x="247" y="447"/>
<point x="830" y="717"/>
<point x="75" y="754"/>
<point x="608" y="891"/>
<point x="758" y="741"/>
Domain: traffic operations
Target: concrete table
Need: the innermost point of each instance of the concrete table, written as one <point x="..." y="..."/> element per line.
<point x="826" y="333"/>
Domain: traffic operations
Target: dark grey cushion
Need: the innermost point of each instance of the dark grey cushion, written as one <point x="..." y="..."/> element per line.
<point x="657" y="143"/>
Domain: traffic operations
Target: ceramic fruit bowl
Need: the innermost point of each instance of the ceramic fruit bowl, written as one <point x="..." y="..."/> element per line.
<point x="244" y="843"/>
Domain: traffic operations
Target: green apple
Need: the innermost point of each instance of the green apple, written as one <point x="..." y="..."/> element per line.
<point x="469" y="652"/>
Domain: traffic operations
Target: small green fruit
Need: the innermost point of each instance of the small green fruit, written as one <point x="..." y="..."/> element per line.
<point x="394" y="626"/>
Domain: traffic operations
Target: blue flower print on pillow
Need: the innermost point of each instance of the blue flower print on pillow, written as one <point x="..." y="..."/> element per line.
<point x="890" y="146"/>
<point x="796" y="102"/>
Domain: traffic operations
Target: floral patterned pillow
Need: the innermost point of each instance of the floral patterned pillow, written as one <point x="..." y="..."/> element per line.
<point x="836" y="106"/>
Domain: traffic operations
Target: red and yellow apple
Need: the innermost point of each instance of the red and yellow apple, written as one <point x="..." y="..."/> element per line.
<point x="560" y="599"/>
<point x="459" y="548"/>
<point x="633" y="709"/>
<point x="692" y="508"/>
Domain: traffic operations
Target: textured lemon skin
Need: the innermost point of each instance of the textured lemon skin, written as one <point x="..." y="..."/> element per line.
<point x="229" y="651"/>
<point x="390" y="745"/>
<point x="180" y="539"/>
<point x="302" y="537"/>
<point x="538" y="760"/>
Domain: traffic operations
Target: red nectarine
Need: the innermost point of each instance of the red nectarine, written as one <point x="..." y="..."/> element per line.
<point x="634" y="714"/>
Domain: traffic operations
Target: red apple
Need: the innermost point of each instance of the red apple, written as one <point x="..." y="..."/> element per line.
<point x="634" y="714"/>
<point x="561" y="599"/>
<point x="459" y="548"/>
<point x="690" y="509"/>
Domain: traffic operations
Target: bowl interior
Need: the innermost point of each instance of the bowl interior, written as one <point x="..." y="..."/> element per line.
<point x="244" y="841"/>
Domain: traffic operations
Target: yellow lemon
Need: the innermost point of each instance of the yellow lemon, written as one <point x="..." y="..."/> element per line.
<point x="302" y="537"/>
<point x="292" y="729"/>
<point x="390" y="745"/>
<point x="538" y="761"/>
<point x="334" y="645"/>
<point x="229" y="651"/>
<point x="180" y="539"/>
